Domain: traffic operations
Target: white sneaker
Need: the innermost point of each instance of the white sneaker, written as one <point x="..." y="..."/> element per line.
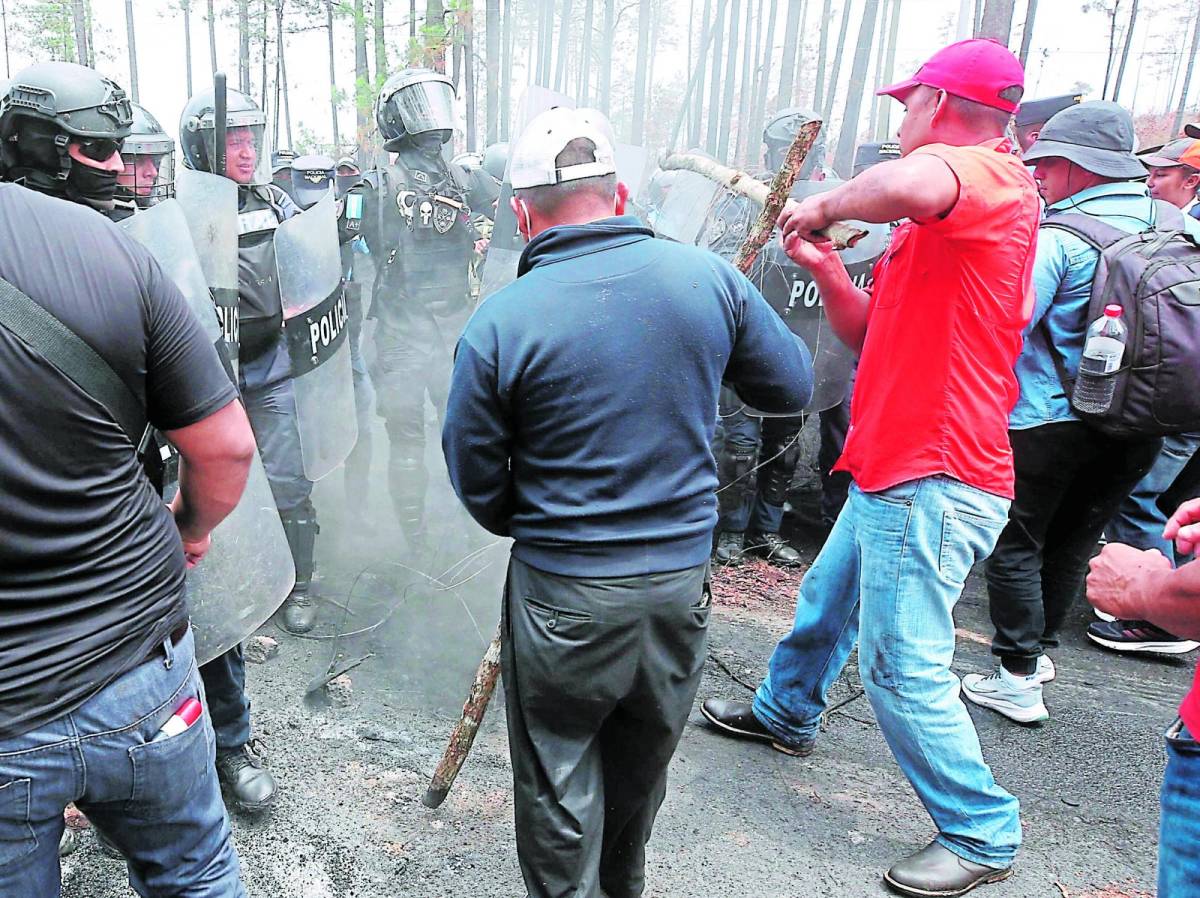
<point x="1017" y="698"/>
<point x="1104" y="615"/>
<point x="1045" y="672"/>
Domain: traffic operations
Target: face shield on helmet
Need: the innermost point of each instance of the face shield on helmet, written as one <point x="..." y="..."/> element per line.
<point x="148" y="155"/>
<point x="416" y="103"/>
<point x="247" y="158"/>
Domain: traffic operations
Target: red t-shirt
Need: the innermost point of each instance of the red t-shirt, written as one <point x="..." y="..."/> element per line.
<point x="1190" y="709"/>
<point x="935" y="383"/>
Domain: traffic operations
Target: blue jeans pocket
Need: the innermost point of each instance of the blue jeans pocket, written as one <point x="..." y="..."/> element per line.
<point x="901" y="494"/>
<point x="167" y="772"/>
<point x="17" y="838"/>
<point x="966" y="538"/>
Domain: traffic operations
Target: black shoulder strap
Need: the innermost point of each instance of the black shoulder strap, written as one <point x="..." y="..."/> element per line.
<point x="1098" y="234"/>
<point x="67" y="352"/>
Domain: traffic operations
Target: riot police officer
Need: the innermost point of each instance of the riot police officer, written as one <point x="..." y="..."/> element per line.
<point x="69" y="147"/>
<point x="148" y="154"/>
<point x="417" y="224"/>
<point x="766" y="451"/>
<point x="264" y="369"/>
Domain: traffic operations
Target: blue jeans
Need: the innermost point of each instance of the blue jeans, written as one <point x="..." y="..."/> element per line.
<point x="158" y="801"/>
<point x="1138" y="522"/>
<point x="1179" y="828"/>
<point x="225" y="696"/>
<point x="889" y="575"/>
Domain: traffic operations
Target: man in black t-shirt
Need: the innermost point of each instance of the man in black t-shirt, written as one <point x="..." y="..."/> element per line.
<point x="96" y="660"/>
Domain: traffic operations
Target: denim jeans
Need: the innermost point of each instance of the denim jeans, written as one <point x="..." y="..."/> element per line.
<point x="228" y="704"/>
<point x="1139" y="522"/>
<point x="158" y="801"/>
<point x="1179" y="827"/>
<point x="890" y="573"/>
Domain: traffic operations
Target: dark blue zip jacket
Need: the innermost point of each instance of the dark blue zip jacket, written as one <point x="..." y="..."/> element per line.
<point x="584" y="398"/>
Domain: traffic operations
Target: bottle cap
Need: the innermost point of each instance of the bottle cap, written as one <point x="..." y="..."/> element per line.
<point x="1113" y="311"/>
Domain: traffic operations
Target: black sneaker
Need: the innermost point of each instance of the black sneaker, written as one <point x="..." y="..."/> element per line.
<point x="737" y="719"/>
<point x="729" y="547"/>
<point x="1138" y="636"/>
<point x="773" y="547"/>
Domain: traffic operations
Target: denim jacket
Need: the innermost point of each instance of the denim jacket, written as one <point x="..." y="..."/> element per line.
<point x="1062" y="277"/>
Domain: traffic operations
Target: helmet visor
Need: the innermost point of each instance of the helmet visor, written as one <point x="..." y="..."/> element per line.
<point x="148" y="178"/>
<point x="425" y="106"/>
<point x="246" y="154"/>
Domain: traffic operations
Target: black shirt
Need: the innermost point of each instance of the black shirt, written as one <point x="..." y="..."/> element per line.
<point x="91" y="566"/>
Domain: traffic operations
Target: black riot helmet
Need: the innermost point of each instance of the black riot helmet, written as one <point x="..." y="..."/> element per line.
<point x="779" y="133"/>
<point x="246" y="158"/>
<point x="311" y="177"/>
<point x="495" y="159"/>
<point x="149" y="157"/>
<point x="415" y="102"/>
<point x="56" y="120"/>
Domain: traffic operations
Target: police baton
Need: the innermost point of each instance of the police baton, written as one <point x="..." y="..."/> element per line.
<point x="219" y="123"/>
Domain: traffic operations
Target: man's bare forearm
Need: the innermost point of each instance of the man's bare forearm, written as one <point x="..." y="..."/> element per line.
<point x="215" y="456"/>
<point x="919" y="187"/>
<point x="1171" y="600"/>
<point x="845" y="304"/>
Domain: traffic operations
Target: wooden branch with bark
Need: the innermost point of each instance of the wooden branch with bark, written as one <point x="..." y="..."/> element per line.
<point x="463" y="735"/>
<point x="840" y="234"/>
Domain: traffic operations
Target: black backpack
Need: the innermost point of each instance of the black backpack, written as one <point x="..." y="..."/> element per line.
<point x="1154" y="276"/>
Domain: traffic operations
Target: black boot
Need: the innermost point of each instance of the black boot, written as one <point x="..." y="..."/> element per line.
<point x="773" y="547"/>
<point x="729" y="547"/>
<point x="407" y="481"/>
<point x="299" y="611"/>
<point x="249" y="784"/>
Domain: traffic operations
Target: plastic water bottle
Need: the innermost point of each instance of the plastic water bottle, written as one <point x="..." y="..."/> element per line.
<point x="1102" y="354"/>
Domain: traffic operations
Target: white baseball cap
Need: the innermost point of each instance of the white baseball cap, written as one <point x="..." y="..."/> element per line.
<point x="533" y="156"/>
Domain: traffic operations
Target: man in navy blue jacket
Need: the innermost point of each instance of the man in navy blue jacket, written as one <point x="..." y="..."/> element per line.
<point x="581" y="411"/>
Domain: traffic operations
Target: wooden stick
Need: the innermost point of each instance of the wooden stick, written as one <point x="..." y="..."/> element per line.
<point x="464" y="732"/>
<point x="840" y="234"/>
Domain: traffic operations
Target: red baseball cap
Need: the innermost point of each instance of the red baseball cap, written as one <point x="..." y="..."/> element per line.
<point x="977" y="69"/>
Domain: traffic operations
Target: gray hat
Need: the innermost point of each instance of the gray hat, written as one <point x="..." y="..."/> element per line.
<point x="1097" y="136"/>
<point x="1192" y="131"/>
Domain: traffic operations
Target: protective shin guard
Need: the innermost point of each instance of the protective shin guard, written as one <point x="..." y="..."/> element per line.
<point x="301" y="528"/>
<point x="735" y="473"/>
<point x="407" y="480"/>
<point x="780" y="455"/>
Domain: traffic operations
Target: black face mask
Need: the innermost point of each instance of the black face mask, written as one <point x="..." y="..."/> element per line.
<point x="92" y="186"/>
<point x="429" y="143"/>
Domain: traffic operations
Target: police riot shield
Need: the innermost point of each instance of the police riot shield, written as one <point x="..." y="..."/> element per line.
<point x="790" y="289"/>
<point x="684" y="206"/>
<point x="248" y="571"/>
<point x="315" y="317"/>
<point x="209" y="204"/>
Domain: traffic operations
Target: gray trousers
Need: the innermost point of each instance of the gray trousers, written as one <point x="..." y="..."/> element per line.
<point x="599" y="678"/>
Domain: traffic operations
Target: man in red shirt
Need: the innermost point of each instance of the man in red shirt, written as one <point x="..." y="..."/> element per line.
<point x="927" y="448"/>
<point x="1143" y="585"/>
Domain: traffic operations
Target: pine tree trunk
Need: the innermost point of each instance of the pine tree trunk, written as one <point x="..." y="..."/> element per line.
<point x="506" y="73"/>
<point x="186" y="6"/>
<point x="1125" y="51"/>
<point x="212" y="37"/>
<point x="133" y="69"/>
<point x="889" y="70"/>
<point x="362" y="77"/>
<point x="468" y="45"/>
<point x="564" y="41"/>
<point x="585" y="75"/>
<point x="333" y="106"/>
<point x="787" y="70"/>
<point x="243" y="9"/>
<point x="412" y="19"/>
<point x="491" y="47"/>
<point x="378" y="35"/>
<point x="79" y="13"/>
<point x="435" y="41"/>
<point x="730" y="81"/>
<point x="606" y="58"/>
<point x="997" y="20"/>
<point x="637" y="124"/>
<point x="881" y="30"/>
<point x="266" y="30"/>
<point x="836" y="70"/>
<point x="760" y="107"/>
<point x="844" y="156"/>
<point x="697" y="113"/>
<point x="283" y="103"/>
<point x="746" y="88"/>
<point x="1027" y="30"/>
<point x="1187" y="76"/>
<point x="712" y="137"/>
<point x="822" y="53"/>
